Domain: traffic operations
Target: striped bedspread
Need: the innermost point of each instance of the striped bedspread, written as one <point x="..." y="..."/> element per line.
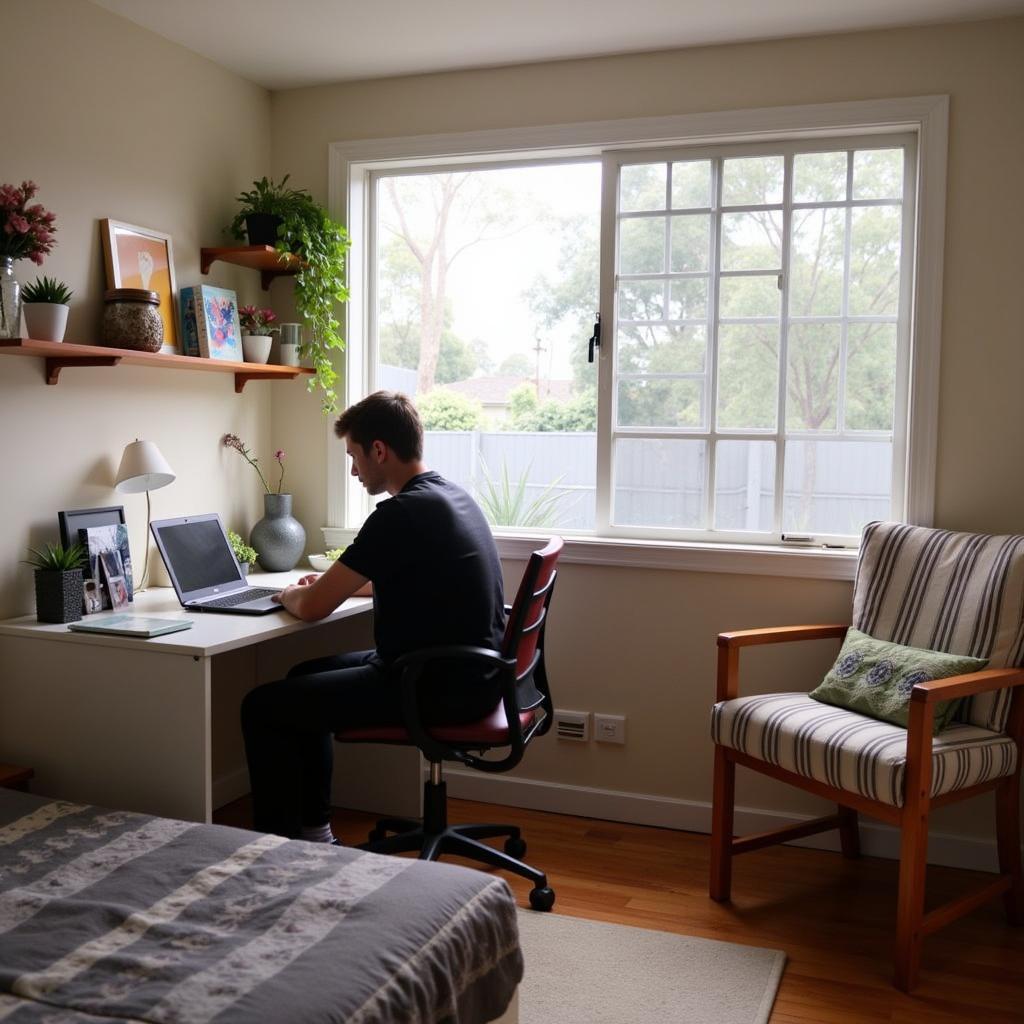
<point x="112" y="916"/>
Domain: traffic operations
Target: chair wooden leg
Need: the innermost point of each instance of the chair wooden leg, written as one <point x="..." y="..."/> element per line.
<point x="723" y="798"/>
<point x="1008" y="843"/>
<point x="910" y="903"/>
<point x="849" y="832"/>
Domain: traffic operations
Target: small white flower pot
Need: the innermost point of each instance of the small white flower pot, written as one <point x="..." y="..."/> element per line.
<point x="256" y="347"/>
<point x="46" y="321"/>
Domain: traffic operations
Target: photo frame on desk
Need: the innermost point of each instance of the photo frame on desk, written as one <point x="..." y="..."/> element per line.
<point x="72" y="521"/>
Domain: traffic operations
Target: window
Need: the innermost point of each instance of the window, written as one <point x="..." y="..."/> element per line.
<point x="757" y="354"/>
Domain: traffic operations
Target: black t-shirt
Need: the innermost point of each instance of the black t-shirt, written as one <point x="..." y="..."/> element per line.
<point x="436" y="577"/>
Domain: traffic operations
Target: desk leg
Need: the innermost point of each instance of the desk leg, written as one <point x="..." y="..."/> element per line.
<point x="126" y="728"/>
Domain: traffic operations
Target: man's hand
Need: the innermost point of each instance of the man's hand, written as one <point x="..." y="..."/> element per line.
<point x="316" y="596"/>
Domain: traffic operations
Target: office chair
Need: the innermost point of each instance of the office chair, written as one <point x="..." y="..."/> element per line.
<point x="515" y="721"/>
<point x="956" y="592"/>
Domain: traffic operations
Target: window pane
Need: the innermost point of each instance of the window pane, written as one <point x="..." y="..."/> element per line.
<point x="819" y="177"/>
<point x="870" y="376"/>
<point x="875" y="261"/>
<point x="690" y="242"/>
<point x="642" y="187"/>
<point x="688" y="299"/>
<point x="642" y="245"/>
<point x="691" y="184"/>
<point x="750" y="181"/>
<point x="745" y="485"/>
<point x="752" y="241"/>
<point x="659" y="483"/>
<point x="812" y="376"/>
<point x="641" y="300"/>
<point x="749" y="296"/>
<point x="661" y="403"/>
<point x="878" y="174"/>
<point x="816" y="262"/>
<point x="836" y="486"/>
<point x="748" y="376"/>
<point x="493" y="350"/>
<point x="662" y="349"/>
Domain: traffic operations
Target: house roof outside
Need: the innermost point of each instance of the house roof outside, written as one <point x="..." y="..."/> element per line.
<point x="496" y="390"/>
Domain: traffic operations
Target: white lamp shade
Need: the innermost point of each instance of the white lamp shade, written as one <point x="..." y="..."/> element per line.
<point x="143" y="468"/>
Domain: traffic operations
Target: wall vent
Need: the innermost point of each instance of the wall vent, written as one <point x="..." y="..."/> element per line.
<point x="572" y="725"/>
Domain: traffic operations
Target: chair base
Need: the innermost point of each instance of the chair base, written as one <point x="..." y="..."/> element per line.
<point x="434" y="836"/>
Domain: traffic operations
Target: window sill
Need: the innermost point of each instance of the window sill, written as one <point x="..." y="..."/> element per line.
<point x="747" y="559"/>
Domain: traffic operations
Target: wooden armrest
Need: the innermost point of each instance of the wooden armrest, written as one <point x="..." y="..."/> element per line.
<point x="966" y="685"/>
<point x="780" y="635"/>
<point x="729" y="645"/>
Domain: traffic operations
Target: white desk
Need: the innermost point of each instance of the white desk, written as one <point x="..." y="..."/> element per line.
<point x="152" y="725"/>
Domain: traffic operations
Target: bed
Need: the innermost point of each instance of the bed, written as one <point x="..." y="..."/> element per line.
<point x="112" y="916"/>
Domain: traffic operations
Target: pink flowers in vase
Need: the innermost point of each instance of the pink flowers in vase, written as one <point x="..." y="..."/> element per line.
<point x="235" y="442"/>
<point x="257" y="321"/>
<point x="27" y="230"/>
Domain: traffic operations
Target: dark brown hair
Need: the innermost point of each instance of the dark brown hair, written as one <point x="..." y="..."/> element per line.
<point x="387" y="416"/>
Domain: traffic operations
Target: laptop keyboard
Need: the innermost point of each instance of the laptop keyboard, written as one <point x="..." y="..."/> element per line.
<point x="242" y="597"/>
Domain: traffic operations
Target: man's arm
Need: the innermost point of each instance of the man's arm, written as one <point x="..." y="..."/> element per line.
<point x="314" y="600"/>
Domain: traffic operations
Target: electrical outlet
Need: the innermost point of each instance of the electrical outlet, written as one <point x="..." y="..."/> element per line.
<point x="610" y="728"/>
<point x="572" y="725"/>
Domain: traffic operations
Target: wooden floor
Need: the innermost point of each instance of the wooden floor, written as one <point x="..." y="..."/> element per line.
<point x="833" y="918"/>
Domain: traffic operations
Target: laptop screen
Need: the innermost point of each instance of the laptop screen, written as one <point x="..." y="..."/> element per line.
<point x="198" y="555"/>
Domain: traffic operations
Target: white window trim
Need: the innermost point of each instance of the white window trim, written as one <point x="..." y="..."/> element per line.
<point x="927" y="116"/>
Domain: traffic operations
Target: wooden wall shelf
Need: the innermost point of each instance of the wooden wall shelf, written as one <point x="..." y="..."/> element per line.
<point x="264" y="258"/>
<point x="60" y="355"/>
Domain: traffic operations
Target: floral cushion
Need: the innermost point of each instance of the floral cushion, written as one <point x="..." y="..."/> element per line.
<point x="875" y="677"/>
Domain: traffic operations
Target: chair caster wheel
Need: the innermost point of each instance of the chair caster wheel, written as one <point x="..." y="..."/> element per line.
<point x="376" y="835"/>
<point x="542" y="899"/>
<point x="516" y="847"/>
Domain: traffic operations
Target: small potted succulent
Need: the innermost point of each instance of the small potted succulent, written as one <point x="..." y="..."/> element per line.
<point x="45" y="302"/>
<point x="59" y="594"/>
<point x="256" y="332"/>
<point x="246" y="555"/>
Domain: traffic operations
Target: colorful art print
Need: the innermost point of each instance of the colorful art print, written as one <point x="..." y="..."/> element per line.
<point x="223" y="333"/>
<point x="92" y="597"/>
<point x="118" y="591"/>
<point x="143" y="258"/>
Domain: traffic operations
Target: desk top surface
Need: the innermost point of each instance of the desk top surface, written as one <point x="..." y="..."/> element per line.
<point x="210" y="633"/>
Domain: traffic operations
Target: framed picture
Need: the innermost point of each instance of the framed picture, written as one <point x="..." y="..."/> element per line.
<point x="109" y="557"/>
<point x="142" y="258"/>
<point x="73" y="520"/>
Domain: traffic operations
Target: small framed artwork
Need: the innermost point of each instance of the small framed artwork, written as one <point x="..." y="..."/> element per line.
<point x="92" y="597"/>
<point x="143" y="258"/>
<point x="217" y="324"/>
<point x="73" y="520"/>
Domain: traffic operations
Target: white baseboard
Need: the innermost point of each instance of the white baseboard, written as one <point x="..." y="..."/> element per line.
<point x="877" y="840"/>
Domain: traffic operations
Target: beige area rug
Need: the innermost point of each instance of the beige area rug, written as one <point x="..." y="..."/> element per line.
<point x="589" y="972"/>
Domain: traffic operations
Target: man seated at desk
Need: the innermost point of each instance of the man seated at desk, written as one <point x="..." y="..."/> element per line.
<point x="428" y="554"/>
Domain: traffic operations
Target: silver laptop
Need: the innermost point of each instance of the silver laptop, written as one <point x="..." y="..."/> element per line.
<point x="204" y="570"/>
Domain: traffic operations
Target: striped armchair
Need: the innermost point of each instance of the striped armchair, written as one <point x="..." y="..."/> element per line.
<point x="934" y="589"/>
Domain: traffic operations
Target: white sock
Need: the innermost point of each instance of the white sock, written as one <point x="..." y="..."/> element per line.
<point x="317" y="833"/>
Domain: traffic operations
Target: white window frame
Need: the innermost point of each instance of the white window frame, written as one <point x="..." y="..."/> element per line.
<point x="351" y="162"/>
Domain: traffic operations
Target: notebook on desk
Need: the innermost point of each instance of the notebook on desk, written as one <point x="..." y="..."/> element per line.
<point x="203" y="569"/>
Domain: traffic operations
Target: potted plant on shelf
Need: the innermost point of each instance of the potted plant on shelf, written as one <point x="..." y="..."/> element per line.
<point x="246" y="555"/>
<point x="45" y="302"/>
<point x="264" y="208"/>
<point x="257" y="332"/>
<point x="26" y="233"/>
<point x="58" y="582"/>
<point x="321" y="244"/>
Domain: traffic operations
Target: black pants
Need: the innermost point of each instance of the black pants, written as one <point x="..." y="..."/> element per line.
<point x="289" y="727"/>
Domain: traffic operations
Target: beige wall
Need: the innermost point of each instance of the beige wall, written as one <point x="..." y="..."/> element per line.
<point x="113" y="121"/>
<point x="642" y="642"/>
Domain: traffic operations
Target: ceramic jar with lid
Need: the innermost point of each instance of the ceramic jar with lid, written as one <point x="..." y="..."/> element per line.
<point x="131" y="319"/>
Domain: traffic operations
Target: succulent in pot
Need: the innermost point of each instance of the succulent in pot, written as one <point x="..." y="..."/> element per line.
<point x="257" y="329"/>
<point x="58" y="581"/>
<point x="46" y="303"/>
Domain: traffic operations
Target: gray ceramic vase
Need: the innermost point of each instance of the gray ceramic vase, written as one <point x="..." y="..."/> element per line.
<point x="278" y="537"/>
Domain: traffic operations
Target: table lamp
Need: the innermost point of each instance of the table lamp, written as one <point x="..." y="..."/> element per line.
<point x="143" y="468"/>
